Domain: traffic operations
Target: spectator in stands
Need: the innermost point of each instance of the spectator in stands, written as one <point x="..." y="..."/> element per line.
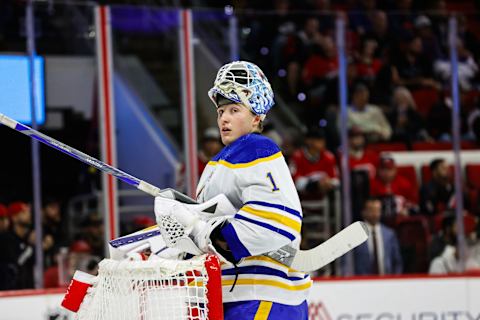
<point x="437" y="195"/>
<point x="467" y="68"/>
<point x="313" y="167"/>
<point x="360" y="17"/>
<point x="380" y="255"/>
<point x="321" y="67"/>
<point x="211" y="145"/>
<point x="411" y="68"/>
<point x="401" y="16"/>
<point x="363" y="164"/>
<point x="366" y="64"/>
<point x="397" y="194"/>
<point x="78" y="257"/>
<point x="379" y="21"/>
<point x="445" y="255"/>
<point x="17" y="255"/>
<point x="4" y="219"/>
<point x="93" y="234"/>
<point x="298" y="48"/>
<point x="367" y="117"/>
<point x="407" y="124"/>
<point x="445" y="236"/>
<point x="473" y="124"/>
<point x="361" y="159"/>
<point x="440" y="23"/>
<point x="53" y="227"/>
<point x="430" y="46"/>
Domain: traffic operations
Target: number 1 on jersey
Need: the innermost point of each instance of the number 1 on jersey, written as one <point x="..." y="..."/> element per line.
<point x="274" y="185"/>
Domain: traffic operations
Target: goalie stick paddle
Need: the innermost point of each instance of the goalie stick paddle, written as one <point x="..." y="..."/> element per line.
<point x="307" y="260"/>
<point x="72" y="152"/>
<point x="330" y="250"/>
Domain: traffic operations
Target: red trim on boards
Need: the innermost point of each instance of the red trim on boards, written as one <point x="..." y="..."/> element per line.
<point x="31" y="292"/>
<point x="398" y="277"/>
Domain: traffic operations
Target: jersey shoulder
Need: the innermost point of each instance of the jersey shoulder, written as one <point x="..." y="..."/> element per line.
<point x="248" y="148"/>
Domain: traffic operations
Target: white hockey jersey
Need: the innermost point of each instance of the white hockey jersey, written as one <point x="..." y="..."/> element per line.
<point x="254" y="176"/>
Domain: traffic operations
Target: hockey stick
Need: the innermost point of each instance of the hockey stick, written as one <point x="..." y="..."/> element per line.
<point x="330" y="250"/>
<point x="308" y="260"/>
<point x="125" y="177"/>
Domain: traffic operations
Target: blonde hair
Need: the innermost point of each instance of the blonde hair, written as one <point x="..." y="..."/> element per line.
<point x="404" y="93"/>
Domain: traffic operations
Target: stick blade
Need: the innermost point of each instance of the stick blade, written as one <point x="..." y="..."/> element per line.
<point x="335" y="247"/>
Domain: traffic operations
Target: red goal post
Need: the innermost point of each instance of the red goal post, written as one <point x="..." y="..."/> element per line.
<point x="155" y="289"/>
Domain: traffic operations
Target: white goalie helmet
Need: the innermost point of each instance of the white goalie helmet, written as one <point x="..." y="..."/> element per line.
<point x="243" y="82"/>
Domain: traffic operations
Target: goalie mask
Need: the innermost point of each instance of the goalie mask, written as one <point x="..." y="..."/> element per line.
<point x="243" y="82"/>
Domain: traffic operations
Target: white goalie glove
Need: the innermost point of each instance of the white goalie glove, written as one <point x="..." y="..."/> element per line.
<point x="185" y="227"/>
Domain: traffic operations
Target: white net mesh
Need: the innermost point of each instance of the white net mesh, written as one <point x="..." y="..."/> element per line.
<point x="153" y="289"/>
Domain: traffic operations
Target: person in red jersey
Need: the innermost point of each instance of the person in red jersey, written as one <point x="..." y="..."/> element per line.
<point x="397" y="193"/>
<point x="360" y="158"/>
<point x="313" y="167"/>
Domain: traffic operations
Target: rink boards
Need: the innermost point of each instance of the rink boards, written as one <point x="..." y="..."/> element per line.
<point x="400" y="298"/>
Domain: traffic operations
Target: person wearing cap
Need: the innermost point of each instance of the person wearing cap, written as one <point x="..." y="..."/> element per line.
<point x="313" y="167"/>
<point x="397" y="193"/>
<point x="17" y="254"/>
<point x="252" y="173"/>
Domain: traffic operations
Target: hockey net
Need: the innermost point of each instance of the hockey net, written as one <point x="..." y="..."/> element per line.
<point x="155" y="289"/>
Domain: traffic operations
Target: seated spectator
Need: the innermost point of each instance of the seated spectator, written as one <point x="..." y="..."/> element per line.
<point x="407" y="124"/>
<point x="92" y="233"/>
<point x="4" y="219"/>
<point x="446" y="258"/>
<point x="380" y="33"/>
<point x="321" y="66"/>
<point x="367" y="117"/>
<point x="53" y="227"/>
<point x="396" y="192"/>
<point x="78" y="257"/>
<point x="467" y="68"/>
<point x="430" y="45"/>
<point x="313" y="167"/>
<point x="437" y="195"/>
<point x="366" y="64"/>
<point x="380" y="254"/>
<point x="297" y="49"/>
<point x="17" y="255"/>
<point x="445" y="236"/>
<point x="361" y="159"/>
<point x="412" y="69"/>
<point x="360" y="17"/>
<point x="211" y="145"/>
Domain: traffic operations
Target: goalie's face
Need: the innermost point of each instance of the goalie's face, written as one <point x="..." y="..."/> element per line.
<point x="235" y="120"/>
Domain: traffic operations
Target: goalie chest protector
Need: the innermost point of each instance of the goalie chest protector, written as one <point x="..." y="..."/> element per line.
<point x="254" y="176"/>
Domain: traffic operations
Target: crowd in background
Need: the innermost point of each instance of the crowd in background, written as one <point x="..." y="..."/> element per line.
<point x="398" y="77"/>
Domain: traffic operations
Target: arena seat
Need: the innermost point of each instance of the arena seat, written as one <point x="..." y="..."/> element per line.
<point x="409" y="173"/>
<point x="387" y="146"/>
<point x="472" y="172"/>
<point x="427" y="174"/>
<point x="414" y="238"/>
<point x="425" y="98"/>
<point x="431" y="146"/>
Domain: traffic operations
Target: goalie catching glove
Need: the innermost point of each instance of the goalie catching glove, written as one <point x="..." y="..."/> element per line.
<point x="184" y="228"/>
